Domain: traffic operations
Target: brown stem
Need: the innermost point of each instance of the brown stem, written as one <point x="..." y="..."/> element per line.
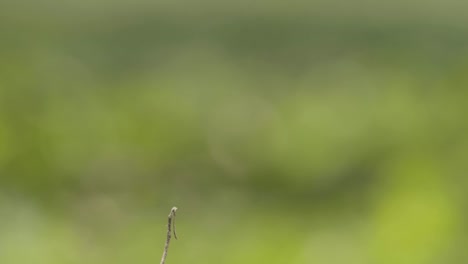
<point x="170" y="225"/>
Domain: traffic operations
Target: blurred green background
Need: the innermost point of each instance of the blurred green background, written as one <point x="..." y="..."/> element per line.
<point x="285" y="131"/>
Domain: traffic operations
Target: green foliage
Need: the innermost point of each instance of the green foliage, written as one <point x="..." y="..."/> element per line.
<point x="281" y="138"/>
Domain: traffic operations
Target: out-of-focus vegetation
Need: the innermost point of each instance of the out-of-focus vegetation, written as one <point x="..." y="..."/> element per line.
<point x="285" y="132"/>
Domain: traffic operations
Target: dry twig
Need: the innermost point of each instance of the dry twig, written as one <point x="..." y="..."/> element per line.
<point x="170" y="229"/>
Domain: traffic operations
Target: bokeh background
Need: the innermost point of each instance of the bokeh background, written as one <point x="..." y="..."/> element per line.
<point x="319" y="132"/>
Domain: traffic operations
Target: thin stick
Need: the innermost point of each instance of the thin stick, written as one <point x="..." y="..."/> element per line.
<point x="170" y="225"/>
